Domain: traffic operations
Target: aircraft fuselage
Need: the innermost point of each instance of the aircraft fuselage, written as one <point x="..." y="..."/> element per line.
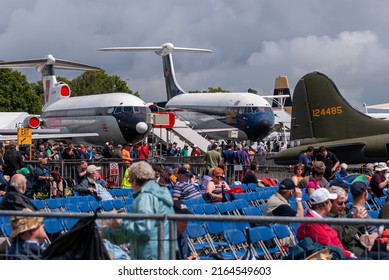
<point x="118" y="117"/>
<point x="216" y="114"/>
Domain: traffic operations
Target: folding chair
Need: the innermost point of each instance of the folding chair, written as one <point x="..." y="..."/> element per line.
<point x="268" y="242"/>
<point x="240" y="204"/>
<point x="39" y="204"/>
<point x="107" y="205"/>
<point x="198" y="209"/>
<point x="54" y="204"/>
<point x="284" y="236"/>
<point x="209" y="209"/>
<point x="237" y="242"/>
<point x="197" y="240"/>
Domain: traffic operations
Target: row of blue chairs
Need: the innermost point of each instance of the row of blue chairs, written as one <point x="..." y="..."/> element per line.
<point x="232" y="240"/>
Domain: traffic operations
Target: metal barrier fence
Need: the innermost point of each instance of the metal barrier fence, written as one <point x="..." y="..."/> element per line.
<point x="68" y="168"/>
<point x="174" y="218"/>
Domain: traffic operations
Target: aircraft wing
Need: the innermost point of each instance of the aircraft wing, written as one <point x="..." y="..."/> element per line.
<point x="5" y="137"/>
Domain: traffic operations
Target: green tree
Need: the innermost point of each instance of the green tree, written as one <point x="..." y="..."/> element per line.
<point x="252" y="91"/>
<point x="98" y="82"/>
<point x="16" y="94"/>
<point x="210" y="90"/>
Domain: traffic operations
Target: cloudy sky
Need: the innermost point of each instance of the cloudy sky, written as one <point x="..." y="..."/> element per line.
<point x="253" y="41"/>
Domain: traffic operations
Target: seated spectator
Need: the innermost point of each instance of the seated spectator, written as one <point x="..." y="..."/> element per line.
<point x="341" y="171"/>
<point x="379" y="181"/>
<point x="369" y="169"/>
<point x="318" y="167"/>
<point x="348" y="234"/>
<point x="91" y="186"/>
<point x="28" y="236"/>
<point x="250" y="176"/>
<point x="216" y="185"/>
<point x="298" y="171"/>
<point x="278" y="204"/>
<point x="321" y="233"/>
<point x="183" y="189"/>
<point x="15" y="198"/>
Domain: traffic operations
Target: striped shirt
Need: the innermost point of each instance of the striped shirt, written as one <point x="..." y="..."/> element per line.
<point x="185" y="190"/>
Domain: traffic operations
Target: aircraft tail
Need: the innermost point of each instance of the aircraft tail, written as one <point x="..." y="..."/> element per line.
<point x="53" y="90"/>
<point x="165" y="51"/>
<point x="319" y="111"/>
<point x="281" y="87"/>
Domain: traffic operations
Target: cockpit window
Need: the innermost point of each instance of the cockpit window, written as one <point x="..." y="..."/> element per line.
<point x="118" y="110"/>
<point x="136" y="109"/>
<point x="127" y="109"/>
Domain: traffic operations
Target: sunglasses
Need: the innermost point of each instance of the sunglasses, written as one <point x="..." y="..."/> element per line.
<point x="219" y="176"/>
<point x="319" y="174"/>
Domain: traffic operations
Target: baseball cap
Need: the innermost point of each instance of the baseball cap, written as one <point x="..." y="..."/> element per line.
<point x="287" y="184"/>
<point x="24" y="171"/>
<point x="214" y="146"/>
<point x="339" y="183"/>
<point x="321" y="195"/>
<point x="184" y="171"/>
<point x="176" y="165"/>
<point x="168" y="169"/>
<point x="92" y="168"/>
<point x="359" y="187"/>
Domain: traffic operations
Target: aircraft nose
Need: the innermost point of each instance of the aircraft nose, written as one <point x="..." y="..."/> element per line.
<point x="264" y="128"/>
<point x="141" y="127"/>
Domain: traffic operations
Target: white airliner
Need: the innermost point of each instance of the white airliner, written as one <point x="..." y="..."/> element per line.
<point x="213" y="114"/>
<point x="92" y="119"/>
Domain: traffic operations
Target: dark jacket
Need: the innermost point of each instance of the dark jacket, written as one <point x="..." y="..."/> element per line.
<point x="82" y="188"/>
<point x="22" y="250"/>
<point x="13" y="160"/>
<point x="13" y="200"/>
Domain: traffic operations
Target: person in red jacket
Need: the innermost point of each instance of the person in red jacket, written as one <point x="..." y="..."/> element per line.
<point x="321" y="233"/>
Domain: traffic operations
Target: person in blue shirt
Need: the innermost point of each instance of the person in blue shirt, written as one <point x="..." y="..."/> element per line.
<point x="306" y="159"/>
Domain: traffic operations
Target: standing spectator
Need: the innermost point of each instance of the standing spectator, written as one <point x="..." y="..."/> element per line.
<point x="306" y="159"/>
<point x="25" y="171"/>
<point x="13" y="160"/>
<point x="89" y="153"/>
<point x="241" y="158"/>
<point x="143" y="151"/>
<point x="150" y="198"/>
<point x="330" y="160"/>
<point x="125" y="154"/>
<point x="228" y="159"/>
<point x="117" y="153"/>
<point x="81" y="151"/>
<point x="195" y="151"/>
<point x="3" y="179"/>
<point x="70" y="152"/>
<point x="379" y="182"/>
<point x="51" y="151"/>
<point x="28" y="235"/>
<point x="107" y="152"/>
<point x="40" y="153"/>
<point x="172" y="150"/>
<point x="45" y="186"/>
<point x="278" y="203"/>
<point x="185" y="150"/>
<point x="212" y="157"/>
<point x="81" y="171"/>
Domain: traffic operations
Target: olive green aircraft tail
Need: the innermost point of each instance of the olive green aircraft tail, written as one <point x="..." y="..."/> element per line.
<point x="319" y="111"/>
